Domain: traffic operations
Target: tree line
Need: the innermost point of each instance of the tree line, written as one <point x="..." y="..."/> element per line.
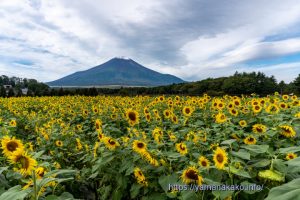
<point x="237" y="84"/>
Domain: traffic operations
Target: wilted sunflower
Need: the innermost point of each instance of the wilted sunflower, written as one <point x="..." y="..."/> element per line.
<point x="220" y="158"/>
<point x="9" y="145"/>
<point x="191" y="176"/>
<point x="187" y="111"/>
<point x="59" y="143"/>
<point x="220" y="118"/>
<point x="242" y="123"/>
<point x="110" y="143"/>
<point x="290" y="156"/>
<point x="287" y="131"/>
<point x="181" y="148"/>
<point x="250" y="140"/>
<point x="204" y="162"/>
<point x="132" y="117"/>
<point x="139" y="146"/>
<point x="271" y="175"/>
<point x="24" y="163"/>
<point x="139" y="176"/>
<point x="259" y="128"/>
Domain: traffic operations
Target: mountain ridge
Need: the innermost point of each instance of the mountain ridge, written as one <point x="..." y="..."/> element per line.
<point x="117" y="71"/>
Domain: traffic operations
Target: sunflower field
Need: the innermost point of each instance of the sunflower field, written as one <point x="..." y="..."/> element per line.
<point x="150" y="147"/>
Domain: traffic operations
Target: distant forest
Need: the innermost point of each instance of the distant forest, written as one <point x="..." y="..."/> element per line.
<point x="237" y="84"/>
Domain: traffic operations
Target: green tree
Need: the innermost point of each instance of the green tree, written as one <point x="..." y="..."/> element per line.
<point x="2" y="92"/>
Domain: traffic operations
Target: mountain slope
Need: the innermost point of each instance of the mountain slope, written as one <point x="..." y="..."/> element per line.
<point x="117" y="71"/>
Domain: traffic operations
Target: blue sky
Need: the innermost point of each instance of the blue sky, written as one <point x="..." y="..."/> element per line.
<point x="192" y="39"/>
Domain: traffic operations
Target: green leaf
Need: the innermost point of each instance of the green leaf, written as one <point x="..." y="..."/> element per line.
<point x="294" y="162"/>
<point x="241" y="154"/>
<point x="135" y="189"/>
<point x="261" y="163"/>
<point x="166" y="181"/>
<point x="256" y="148"/>
<point x="15" y="193"/>
<point x="38" y="154"/>
<point x="2" y="169"/>
<point x="279" y="165"/>
<point x="289" y="150"/>
<point x="239" y="172"/>
<point x="59" y="172"/>
<point x="288" y="191"/>
<point x="187" y="195"/>
<point x="222" y="194"/>
<point x="228" y="142"/>
<point x="117" y="195"/>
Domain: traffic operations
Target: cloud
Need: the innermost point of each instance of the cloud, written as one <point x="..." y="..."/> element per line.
<point x="193" y="39"/>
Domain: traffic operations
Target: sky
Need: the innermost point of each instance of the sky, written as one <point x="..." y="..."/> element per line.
<point x="192" y="39"/>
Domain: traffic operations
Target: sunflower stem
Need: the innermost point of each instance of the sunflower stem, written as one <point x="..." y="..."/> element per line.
<point x="34" y="185"/>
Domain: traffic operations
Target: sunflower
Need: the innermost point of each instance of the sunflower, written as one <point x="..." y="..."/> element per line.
<point x="285" y="97"/>
<point x="237" y="102"/>
<point x="181" y="148"/>
<point x="233" y="112"/>
<point x="139" y="176"/>
<point x="174" y="119"/>
<point x="9" y="145"/>
<point x="243" y="123"/>
<point x="187" y="111"/>
<point x="283" y="105"/>
<point x="98" y="125"/>
<point x="204" y="162"/>
<point x="40" y="172"/>
<point x="287" y="131"/>
<point x="290" y="156"/>
<point x="220" y="105"/>
<point x="24" y="163"/>
<point x="139" y="146"/>
<point x="256" y="108"/>
<point x="148" y="117"/>
<point x="191" y="176"/>
<point x="101" y="136"/>
<point x="272" y="109"/>
<point x="172" y="137"/>
<point x="97" y="144"/>
<point x="220" y="118"/>
<point x="259" y="128"/>
<point x="59" y="143"/>
<point x="78" y="144"/>
<point x="220" y="158"/>
<point x="132" y="117"/>
<point x="13" y="123"/>
<point x="110" y="143"/>
<point x="167" y="113"/>
<point x="250" y="140"/>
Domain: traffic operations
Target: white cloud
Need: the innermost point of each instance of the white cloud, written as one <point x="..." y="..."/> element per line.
<point x="191" y="39"/>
